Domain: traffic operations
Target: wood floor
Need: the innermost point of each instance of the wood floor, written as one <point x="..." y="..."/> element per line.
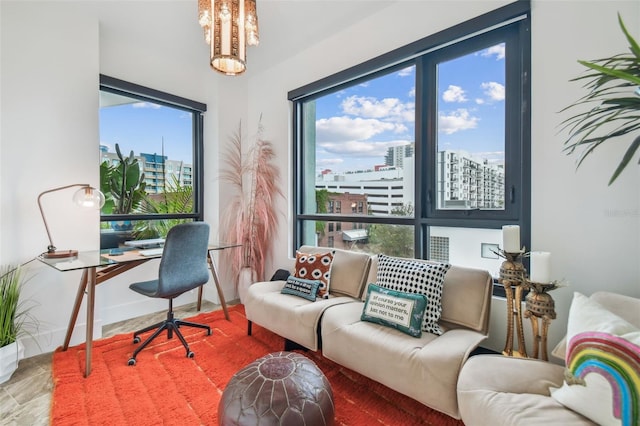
<point x="25" y="399"/>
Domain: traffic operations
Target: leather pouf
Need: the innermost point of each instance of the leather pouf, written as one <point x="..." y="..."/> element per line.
<point x="281" y="388"/>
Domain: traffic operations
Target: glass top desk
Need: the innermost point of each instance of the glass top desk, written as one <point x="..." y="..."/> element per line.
<point x="99" y="266"/>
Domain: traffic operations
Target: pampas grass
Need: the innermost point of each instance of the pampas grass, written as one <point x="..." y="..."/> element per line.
<point x="250" y="217"/>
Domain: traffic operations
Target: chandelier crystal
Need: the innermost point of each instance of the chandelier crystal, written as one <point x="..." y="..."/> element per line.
<point x="229" y="27"/>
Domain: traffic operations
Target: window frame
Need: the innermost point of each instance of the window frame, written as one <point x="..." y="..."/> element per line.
<point x="512" y="21"/>
<point x="197" y="109"/>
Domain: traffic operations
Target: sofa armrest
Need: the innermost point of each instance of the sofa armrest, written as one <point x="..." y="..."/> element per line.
<point x="446" y="354"/>
<point x="512" y="375"/>
<point x="268" y="286"/>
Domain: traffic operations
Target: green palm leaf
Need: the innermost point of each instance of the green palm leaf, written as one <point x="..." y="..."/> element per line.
<point x="613" y="113"/>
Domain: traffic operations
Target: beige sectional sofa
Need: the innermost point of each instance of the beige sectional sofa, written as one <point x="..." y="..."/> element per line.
<point x="424" y="368"/>
<point x="494" y="390"/>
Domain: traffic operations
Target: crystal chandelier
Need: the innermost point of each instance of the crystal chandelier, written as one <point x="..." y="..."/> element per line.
<point x="229" y="27"/>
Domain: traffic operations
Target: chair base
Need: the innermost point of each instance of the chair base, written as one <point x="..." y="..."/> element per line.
<point x="172" y="325"/>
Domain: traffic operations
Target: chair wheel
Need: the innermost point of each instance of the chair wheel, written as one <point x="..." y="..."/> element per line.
<point x="190" y="354"/>
<point x="132" y="361"/>
<point x="136" y="339"/>
<point x="208" y="332"/>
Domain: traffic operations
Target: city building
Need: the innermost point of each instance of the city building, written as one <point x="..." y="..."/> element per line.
<point x="343" y="234"/>
<point x="159" y="171"/>
<point x="466" y="182"/>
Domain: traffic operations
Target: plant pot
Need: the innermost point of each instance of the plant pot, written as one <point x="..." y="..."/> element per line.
<point x="245" y="279"/>
<point x="10" y="355"/>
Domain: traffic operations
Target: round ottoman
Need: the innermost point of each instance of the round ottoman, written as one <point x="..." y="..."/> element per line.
<point x="281" y="388"/>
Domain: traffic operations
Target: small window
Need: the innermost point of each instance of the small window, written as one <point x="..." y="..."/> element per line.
<point x="150" y="161"/>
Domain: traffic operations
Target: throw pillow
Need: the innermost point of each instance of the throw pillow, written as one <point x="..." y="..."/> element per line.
<point x="402" y="311"/>
<point x="307" y="289"/>
<point x="603" y="365"/>
<point x="415" y="276"/>
<point x="315" y="266"/>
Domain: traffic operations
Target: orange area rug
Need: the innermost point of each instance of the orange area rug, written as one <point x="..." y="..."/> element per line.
<point x="166" y="387"/>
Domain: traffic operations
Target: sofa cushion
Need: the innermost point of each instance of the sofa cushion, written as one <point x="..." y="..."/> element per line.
<point x="504" y="391"/>
<point x="291" y="317"/>
<point x="416" y="276"/>
<point x="603" y="360"/>
<point x="315" y="266"/>
<point x="349" y="271"/>
<point x="307" y="289"/>
<point x="424" y="368"/>
<point x="402" y="311"/>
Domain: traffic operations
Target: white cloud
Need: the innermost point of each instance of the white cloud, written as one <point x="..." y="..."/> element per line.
<point x="455" y="121"/>
<point x="495" y="91"/>
<point x="370" y="107"/>
<point x="497" y="51"/>
<point x="356" y="149"/>
<point x="327" y="163"/>
<point x="146" y="105"/>
<point x="350" y="129"/>
<point x="405" y="72"/>
<point x="479" y="101"/>
<point x="454" y="94"/>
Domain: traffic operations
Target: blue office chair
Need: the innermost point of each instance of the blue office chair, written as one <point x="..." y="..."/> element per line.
<point x="183" y="267"/>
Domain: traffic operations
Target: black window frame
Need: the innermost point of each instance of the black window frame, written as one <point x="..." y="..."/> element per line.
<point x="197" y="109"/>
<point x="511" y="23"/>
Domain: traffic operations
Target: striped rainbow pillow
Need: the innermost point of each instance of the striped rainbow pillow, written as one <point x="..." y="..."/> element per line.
<point x="603" y="365"/>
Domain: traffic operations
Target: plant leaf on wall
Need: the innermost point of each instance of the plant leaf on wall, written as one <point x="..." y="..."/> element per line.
<point x="614" y="104"/>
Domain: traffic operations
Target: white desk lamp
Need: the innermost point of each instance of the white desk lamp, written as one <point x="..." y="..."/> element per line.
<point x="87" y="196"/>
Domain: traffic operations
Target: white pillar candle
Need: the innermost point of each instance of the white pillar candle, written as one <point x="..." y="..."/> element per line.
<point x="511" y="238"/>
<point x="540" y="267"/>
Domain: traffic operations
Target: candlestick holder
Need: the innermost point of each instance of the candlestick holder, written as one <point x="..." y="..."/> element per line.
<point x="540" y="308"/>
<point x="512" y="276"/>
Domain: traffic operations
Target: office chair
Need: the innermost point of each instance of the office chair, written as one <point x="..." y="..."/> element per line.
<point x="183" y="267"/>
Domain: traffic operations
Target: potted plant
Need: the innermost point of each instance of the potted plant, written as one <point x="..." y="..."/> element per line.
<point x="14" y="317"/>
<point x="176" y="198"/>
<point x="614" y="101"/>
<point x="122" y="184"/>
<point x="250" y="217"/>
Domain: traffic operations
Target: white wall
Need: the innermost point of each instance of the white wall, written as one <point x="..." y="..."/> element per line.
<point x="52" y="53"/>
<point x="591" y="230"/>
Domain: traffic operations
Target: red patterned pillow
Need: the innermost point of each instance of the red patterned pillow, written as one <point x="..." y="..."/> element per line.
<point x="315" y="266"/>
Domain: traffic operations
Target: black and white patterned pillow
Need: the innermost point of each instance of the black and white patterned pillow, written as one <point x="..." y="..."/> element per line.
<point x="413" y="276"/>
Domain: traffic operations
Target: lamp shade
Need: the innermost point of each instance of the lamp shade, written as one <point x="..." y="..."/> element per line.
<point x="89" y="197"/>
<point x="86" y="196"/>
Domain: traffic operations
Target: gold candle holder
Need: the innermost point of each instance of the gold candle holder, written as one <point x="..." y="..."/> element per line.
<point x="512" y="276"/>
<point x="540" y="307"/>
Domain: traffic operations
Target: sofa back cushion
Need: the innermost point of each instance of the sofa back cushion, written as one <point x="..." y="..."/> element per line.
<point x="466" y="297"/>
<point x="349" y="270"/>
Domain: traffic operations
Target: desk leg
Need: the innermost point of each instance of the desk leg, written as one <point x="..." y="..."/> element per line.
<point x="76" y="308"/>
<point x="91" y="298"/>
<point x="214" y="272"/>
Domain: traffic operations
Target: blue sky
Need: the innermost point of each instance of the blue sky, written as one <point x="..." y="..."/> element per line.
<point x="143" y="126"/>
<point x="356" y="126"/>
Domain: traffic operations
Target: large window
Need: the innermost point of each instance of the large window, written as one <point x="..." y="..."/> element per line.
<point x="150" y="161"/>
<point x="425" y="148"/>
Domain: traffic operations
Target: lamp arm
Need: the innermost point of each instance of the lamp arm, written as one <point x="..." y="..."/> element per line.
<point x="51" y="247"/>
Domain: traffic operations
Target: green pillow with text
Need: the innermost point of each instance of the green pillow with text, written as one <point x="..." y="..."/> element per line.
<point x="395" y="309"/>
